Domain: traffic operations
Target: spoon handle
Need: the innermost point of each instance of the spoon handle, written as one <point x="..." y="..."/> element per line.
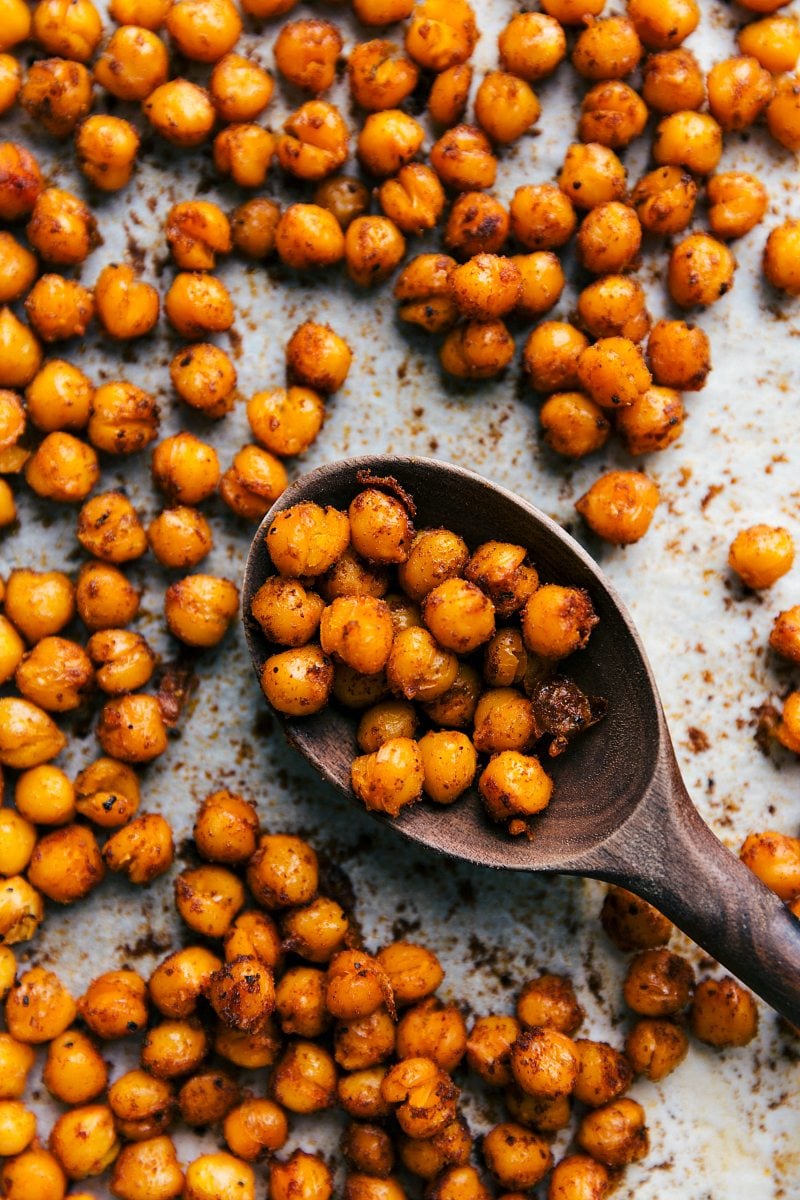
<point x="667" y="854"/>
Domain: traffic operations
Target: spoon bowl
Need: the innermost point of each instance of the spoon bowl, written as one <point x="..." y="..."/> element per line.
<point x="619" y="810"/>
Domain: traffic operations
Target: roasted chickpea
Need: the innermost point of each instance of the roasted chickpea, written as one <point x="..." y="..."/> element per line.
<point x="308" y="236"/>
<point x="609" y="238"/>
<point x="18" y="269"/>
<point x="205" y="378"/>
<point x="123" y="419"/>
<point x="449" y="762"/>
<point x="723" y="1013"/>
<point x="61" y="228"/>
<point x="21" y="181"/>
<point x="614" y="306"/>
<point x="388" y="140"/>
<point x="631" y="923"/>
<point x="549" y="1002"/>
<point x="56" y="674"/>
<point x="505" y="659"/>
<point x="505" y="106"/>
<point x="39" y="1007"/>
<point x="115" y="1004"/>
<point x="368" y="1148"/>
<point x="678" y="355"/>
<point x="424" y="1096"/>
<point x="66" y="864"/>
<point x="21" y="913"/>
<point x="688" y="139"/>
<point x="240" y="88"/>
<point x="219" y="1174"/>
<point x="441" y="33"/>
<point x="463" y="159"/>
<point x="359" y="1094"/>
<point x="653" y="422"/>
<point x="181" y="111"/>
<point x="603" y="1073"/>
<point x="304" y="1080"/>
<point x="544" y="1062"/>
<point x="263" y="10"/>
<point x="315" y="142"/>
<point x="107" y="792"/>
<point x="208" y="898"/>
<point x="16" y="25"/>
<point x="517" y="1157"/>
<point x="578" y="1177"/>
<point x="62" y="468"/>
<point x="17" y="1058"/>
<point x="386" y="720"/>
<point x="253" y="482"/>
<point x="380" y="75"/>
<point x="486" y="286"/>
<point x="318" y="358"/>
<point x="127" y="307"/>
<point x="57" y="93"/>
<point x="109" y="528"/>
<point x="298" y="681"/>
<point x="344" y="196"/>
<point x="198" y="304"/>
<point x="142" y="849"/>
<point x="615" y="1134"/>
<point x="619" y="506"/>
<point x="514" y="786"/>
<point x="573" y="12"/>
<point x="104" y="597"/>
<point x="774" y="42"/>
<point x="17" y="1127"/>
<point x="28" y="736"/>
<point x="655" y="1048"/>
<point x="504" y="720"/>
<point x="148" y="1170"/>
<point x="673" y="82"/>
<point x="71" y="29"/>
<point x="784" y="638"/>
<point x="423" y="287"/>
<point x="301" y="1177"/>
<point x="132" y="728"/>
<point x="434" y="1031"/>
<point x="45" y="796"/>
<point x="382" y="12"/>
<point x="607" y="49"/>
<point x="550" y="356"/>
<point x="106" y="149"/>
<point x="254" y="1128"/>
<point x="531" y="45"/>
<point x="612" y="114"/>
<point x="253" y="226"/>
<point x="557" y="621"/>
<point x="133" y="64"/>
<point x="662" y="26"/>
<point x="254" y="933"/>
<point x="447" y="99"/>
<point x="664" y="200"/>
<point x="364" y="1041"/>
<point x="775" y="859"/>
<point x="477" y="350"/>
<point x="20" y="352"/>
<point x="177" y="983"/>
<point x="739" y="89"/>
<point x="477" y="224"/>
<point x="418" y="668"/>
<point x="203" y="30"/>
<point x="306" y="53"/>
<point x="12" y="648"/>
<point x="174" y="1048"/>
<point x="374" y="246"/>
<point x="592" y="174"/>
<point x="59" y="397"/>
<point x="34" y="1175"/>
<point x="180" y="537"/>
<point x="613" y="372"/>
<point x="197" y="231"/>
<point x="389" y="778"/>
<point x="59" y="308"/>
<point x="761" y="554"/>
<point x="781" y="253"/>
<point x="700" y="271"/>
<point x="142" y="1105"/>
<point x="413" y="201"/>
<point x="244" y="152"/>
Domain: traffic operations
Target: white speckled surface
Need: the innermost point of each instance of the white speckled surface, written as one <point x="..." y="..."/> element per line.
<point x="724" y="1126"/>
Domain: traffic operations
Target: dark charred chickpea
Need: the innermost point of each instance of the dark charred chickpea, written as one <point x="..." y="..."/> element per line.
<point x="441" y="33"/>
<point x="612" y="114"/>
<point x="208" y="898"/>
<point x="619" y="506"/>
<point x="197" y="231"/>
<point x="364" y="1041"/>
<point x="688" y="139"/>
<point x="390" y="778"/>
<point x="174" y="1048"/>
<point x="242" y="993"/>
<point x="203" y="30"/>
<point x="517" y="1157"/>
<point x="141" y="1104"/>
<point x="615" y="1134"/>
<point x="317" y="357"/>
<point x="413" y="199"/>
<point x="447" y="99"/>
<point x="603" y="1073"/>
<point x="253" y="226"/>
<point x="463" y="159"/>
<point x="679" y="355"/>
<point x="653" y="422"/>
<point x="514" y="786"/>
<point x="301" y="1176"/>
<point x="550" y="356"/>
<point x="737" y="203"/>
<point x="298" y="681"/>
<point x="306" y="53"/>
<point x="57" y="93"/>
<point x="315" y="142"/>
<point x="197" y="304"/>
<point x="61" y="228"/>
<point x="613" y="372"/>
<point x="434" y="1031"/>
<point x="607" y="49"/>
<point x="700" y="271"/>
<point x="774" y="42"/>
<point x="62" y="468"/>
<point x="177" y="983"/>
<point x="578" y="1177"/>
<point x="149" y="1168"/>
<point x="142" y="849"/>
<point x="386" y="720"/>
<point x="673" y="81"/>
<point x="253" y="482"/>
<point x="344" y="196"/>
<point x="308" y="236"/>
<point x="66" y="864"/>
<point x="609" y="238"/>
<point x="244" y="152"/>
<point x="380" y="75"/>
<point x="662" y="26"/>
<point x="505" y="107"/>
<point x="204" y="377"/>
<point x="219" y="1174"/>
<point x="255" y="1128"/>
<point x="477" y="224"/>
<point x="655" y="1048"/>
<point x="200" y="608"/>
<point x="775" y="859"/>
<point x="531" y="45"/>
<point x="38" y="1007"/>
<point x="782" y="257"/>
<point x="557" y="621"/>
<point x="664" y="200"/>
<point x="133" y="64"/>
<point x="240" y="88"/>
<point x="123" y="419"/>
<point x="115" y="1005"/>
<point x="592" y="174"/>
<point x="389" y="139"/>
<point x="304" y="1080"/>
<point x="181" y="112"/>
<point x="739" y="89"/>
<point x="56" y="674"/>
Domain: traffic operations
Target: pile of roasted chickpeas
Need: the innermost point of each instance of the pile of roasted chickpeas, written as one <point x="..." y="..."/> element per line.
<point x="402" y="625"/>
<point x="272" y="1010"/>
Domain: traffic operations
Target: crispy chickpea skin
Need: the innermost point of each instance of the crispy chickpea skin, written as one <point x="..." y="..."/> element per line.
<point x="109" y="528"/>
<point x="688" y="139"/>
<point x="542" y="216"/>
<point x="28" y="736"/>
<point x="242" y="993"/>
<point x="132" y="728"/>
<point x="298" y="681"/>
<point x="104" y="597"/>
<point x="133" y="64"/>
<point x="782" y="257"/>
<point x="199" y="609"/>
<point x="700" y="271"/>
<point x="253" y="482"/>
<point x="653" y="422"/>
<point x="344" y="196"/>
<point x="147" y="1170"/>
<point x="463" y="159"/>
<point x="619" y="506"/>
<point x="679" y="355"/>
<point x="180" y="537"/>
<point x="177" y="983"/>
<point x="774" y="42"/>
<point x="203" y="30"/>
<point x="197" y="231"/>
<point x="578" y="1177"/>
<point x="205" y="378"/>
<point x="784" y="637"/>
<point x="127" y="307"/>
<point x="197" y="304"/>
<point x="739" y="89"/>
<point x="308" y="236"/>
<point x="723" y="1013"/>
<point x="549" y="1002"/>
<point x="486" y="286"/>
<point x="69" y="27"/>
<point x="664" y="200"/>
<point x="761" y="554"/>
<point x="615" y="1134"/>
<point x="174" y="1048"/>
<point x="300" y="1002"/>
<point x="317" y="357"/>
<point x="115" y="1004"/>
<point x="603" y="1073"/>
<point x="517" y="1157"/>
<point x="315" y="142"/>
<point x="477" y="350"/>
<point x="218" y="1174"/>
<point x="514" y="786"/>
<point x="123" y="419"/>
<point x="20" y="352"/>
<point x="435" y="1031"/>
<point x="62" y="468"/>
<point x="301" y="1177"/>
<point x="557" y="621"/>
<point x="208" y="898"/>
<point x="57" y="93"/>
<point x="254" y="1128"/>
<point x="477" y="224"/>
<point x="592" y="174"/>
<point x="613" y="114"/>
<point x="380" y="75"/>
<point x="18" y="268"/>
<point x="441" y="33"/>
<point x="181" y="111"/>
<point x="607" y="49"/>
<point x="654" y="1048"/>
<point x="38" y="1007"/>
<point x="304" y="1080"/>
<point x="363" y="1042"/>
<point x="56" y="674"/>
<point x="424" y="1096"/>
<point x="673" y="82"/>
<point x="317" y="930"/>
<point x="609" y="238"/>
<point x="240" y="88"/>
<point x="614" y="306"/>
<point x="368" y="1148"/>
<point x="544" y="1062"/>
<point x="449" y="763"/>
<point x="613" y="372"/>
<point x="59" y="308"/>
<point x="373" y="247"/>
<point x="107" y="791"/>
<point x="61" y="228"/>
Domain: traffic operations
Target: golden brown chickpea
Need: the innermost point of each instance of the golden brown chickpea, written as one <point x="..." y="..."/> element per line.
<point x="104" y="597"/>
<point x="115" y="1004"/>
<point x="390" y="778"/>
<point x="181" y="112"/>
<point x="244" y="152"/>
<point x="17" y="840"/>
<point x="739" y="89"/>
<point x="123" y="419"/>
<point x="489" y="1049"/>
<point x="700" y="271"/>
<point x="477" y="350"/>
<point x="505" y="106"/>
<point x="283" y="872"/>
<point x="631" y="923"/>
<point x="106" y="149"/>
<point x="218" y="1174"/>
<point x="357" y="985"/>
<point x="413" y="200"/>
<point x="380" y="75"/>
<point x="781" y="253"/>
<point x="550" y="356"/>
<point x="541" y="282"/>
<point x="549" y="1002"/>
<point x="142" y="1105"/>
<point x="17" y="1058"/>
<point x="607" y="49"/>
<point x="613" y="372"/>
<point x="447" y="99"/>
<point x="463" y="160"/>
<point x="308" y="236"/>
<point x="389" y="139"/>
<point x="177" y="983"/>
<point x="148" y="1170"/>
<point x="787" y="733"/>
<point x="300" y="1002"/>
<point x="203" y="30"/>
<point x="132" y="728"/>
<point x="197" y="231"/>
<point x="107" y="792"/>
<point x="315" y="142"/>
<point x="655" y="1048"/>
<point x="517" y="1157"/>
<point x="357" y="630"/>
<point x="688" y="139"/>
<point x="368" y="1148"/>
<point x="761" y="554"/>
<point x="288" y="613"/>
<point x="662" y="26"/>
<point x="208" y="898"/>
<point x="59" y="308"/>
<point x="384" y="721"/>
<point x="28" y="736"/>
<point x="414" y="972"/>
<point x="435" y="555"/>
<point x="199" y="609"/>
<point x="12" y="419"/>
<point x="12" y="649"/>
<point x="461" y="1182"/>
<point x="619" y="506"/>
<point x="306" y="53"/>
<point x="127" y="307"/>
<point x="180" y="537"/>
<point x="514" y="786"/>
<point x="434" y="1031"/>
<point x="418" y="668"/>
<point x="62" y="468"/>
<point x="71" y="29"/>
<point x="205" y="378"/>
<point x="59" y="397"/>
<point x="359" y="1094"/>
<point x="240" y="88"/>
<point x="21" y="913"/>
<point x="17" y="1127"/>
<point x="614" y="306"/>
<point x="477" y="224"/>
<point x="544" y="1062"/>
<point x="226" y="828"/>
<point x="449" y="762"/>
<point x="382" y="12"/>
<point x="286" y="420"/>
<point x="673" y="82"/>
<point x="664" y="200"/>
<point x="301" y="1177"/>
<point x="206" y="1098"/>
<point x="531" y="45"/>
<point x="374" y="246"/>
<point x="578" y="1177"/>
<point x="253" y="482"/>
<point x="34" y="1175"/>
<point x="344" y="196"/>
<point x="133" y="64"/>
<point x="109" y="528"/>
<point x="304" y="1080"/>
<point x="486" y="286"/>
<point x="784" y="638"/>
<point x="441" y="34"/>
<point x="16" y="24"/>
<point x="557" y="621"/>
<point x="56" y="674"/>
<point x="21" y="181"/>
<point x="603" y="1073"/>
<point x="253" y="226"/>
<point x="424" y="1095"/>
<point x="66" y="864"/>
<point x="612" y="114"/>
<point x="18" y="268"/>
<point x="424" y="287"/>
<point x="542" y="1113"/>
<point x="8" y="507"/>
<point x="298" y="681"/>
<point x="505" y="659"/>
<point x="318" y="358"/>
<point x="360" y="1186"/>
<point x="142" y="849"/>
<point x="609" y="238"/>
<point x="174" y="1048"/>
<point x="39" y="1007"/>
<point x="653" y="422"/>
<point x="679" y="355"/>
<point x="592" y="174"/>
<point x="775" y="859"/>
<point x="198" y="304"/>
<point x="774" y="42"/>
<point x="573" y="12"/>
<point x="57" y="93"/>
<point x="615" y="1134"/>
<point x="459" y="615"/>
<point x="364" y="1041"/>
<point x="61" y="228"/>
<point x="20" y="352"/>
<point x="504" y="720"/>
<point x="255" y="1128"/>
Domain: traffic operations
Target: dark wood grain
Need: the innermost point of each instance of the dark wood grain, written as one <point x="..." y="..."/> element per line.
<point x="620" y="811"/>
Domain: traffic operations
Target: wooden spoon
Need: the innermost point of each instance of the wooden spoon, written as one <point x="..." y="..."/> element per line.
<point x="620" y="810"/>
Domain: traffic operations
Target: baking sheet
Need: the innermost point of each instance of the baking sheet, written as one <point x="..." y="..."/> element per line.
<point x="724" y="1125"/>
